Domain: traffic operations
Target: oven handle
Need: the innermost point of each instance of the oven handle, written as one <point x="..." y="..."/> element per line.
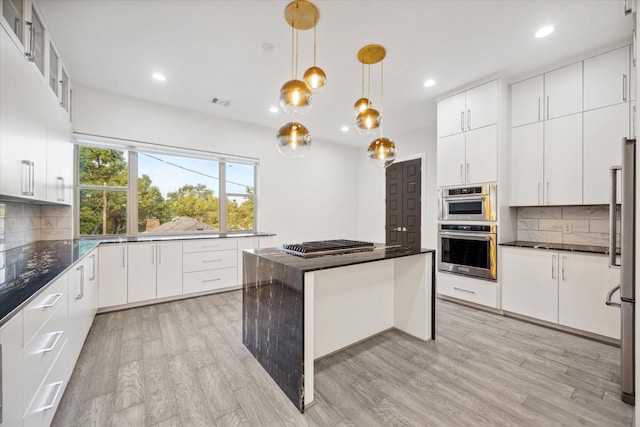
<point x="469" y="236"/>
<point x="477" y="197"/>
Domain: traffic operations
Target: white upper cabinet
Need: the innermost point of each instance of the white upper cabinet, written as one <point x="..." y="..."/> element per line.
<point x="59" y="158"/>
<point x="606" y="79"/>
<point x="604" y="129"/>
<point x="23" y="126"/>
<point x="563" y="91"/>
<point x="563" y="161"/>
<point x="481" y="148"/>
<point x="527" y="165"/>
<point x="473" y="109"/>
<point x="451" y="160"/>
<point x="527" y="101"/>
<point x="451" y="115"/>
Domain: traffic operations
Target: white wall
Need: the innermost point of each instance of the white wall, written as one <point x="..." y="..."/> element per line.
<point x="299" y="199"/>
<point x="371" y="186"/>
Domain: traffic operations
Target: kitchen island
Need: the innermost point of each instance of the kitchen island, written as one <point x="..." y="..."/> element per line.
<point x="296" y="310"/>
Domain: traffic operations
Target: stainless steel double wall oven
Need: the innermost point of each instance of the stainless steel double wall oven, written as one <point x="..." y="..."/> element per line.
<point x="467" y="232"/>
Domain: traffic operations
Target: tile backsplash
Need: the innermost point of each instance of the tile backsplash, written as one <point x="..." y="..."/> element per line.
<point x="578" y="225"/>
<point x="23" y="223"/>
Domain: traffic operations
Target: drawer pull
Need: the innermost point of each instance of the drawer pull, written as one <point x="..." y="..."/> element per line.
<point x="55" y="394"/>
<point x="464" y="290"/>
<point x="212" y="280"/>
<point x="56" y="298"/>
<point x="204" y="261"/>
<point x="210" y="246"/>
<point x="55" y="342"/>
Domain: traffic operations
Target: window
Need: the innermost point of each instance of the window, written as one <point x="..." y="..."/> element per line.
<point x="12" y="11"/>
<point x="103" y="175"/>
<point x="170" y="193"/>
<point x="53" y="69"/>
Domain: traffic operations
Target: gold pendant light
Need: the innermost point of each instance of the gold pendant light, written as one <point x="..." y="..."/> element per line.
<point x="294" y="139"/>
<point x="382" y="151"/>
<point x="368" y="119"/>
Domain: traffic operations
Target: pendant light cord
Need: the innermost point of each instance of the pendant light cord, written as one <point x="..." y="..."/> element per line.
<point x="292" y="58"/>
<point x="381" y="98"/>
<point x="297" y="44"/>
<point x="362" y="75"/>
<point x="315" y="25"/>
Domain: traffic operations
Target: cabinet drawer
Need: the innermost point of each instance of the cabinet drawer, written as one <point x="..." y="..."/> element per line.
<point x="200" y="261"/>
<point x="41" y="309"/>
<point x="204" y="245"/>
<point x="473" y="290"/>
<point x="208" y="280"/>
<point x="44" y="405"/>
<point x="40" y="353"/>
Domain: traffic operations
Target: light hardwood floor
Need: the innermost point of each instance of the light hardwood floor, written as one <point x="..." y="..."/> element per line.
<point x="183" y="364"/>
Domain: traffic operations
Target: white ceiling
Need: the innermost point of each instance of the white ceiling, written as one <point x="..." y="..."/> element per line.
<point x="213" y="48"/>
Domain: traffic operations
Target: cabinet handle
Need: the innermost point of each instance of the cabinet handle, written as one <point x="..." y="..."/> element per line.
<point x="55" y="394"/>
<point x="538" y="108"/>
<point x="54" y="343"/>
<point x="159" y="254"/>
<point x="81" y="269"/>
<point x="548" y="198"/>
<point x="60" y="186"/>
<point x="461" y="174"/>
<point x="464" y="290"/>
<point x="627" y="9"/>
<point x="468" y="172"/>
<point x="469" y="119"/>
<point x="56" y="298"/>
<point x="624" y="87"/>
<point x="547" y="109"/>
<point x="27" y="178"/>
<point x="462" y="120"/>
<point x="32" y="36"/>
<point x="212" y="280"/>
<point x="539" y="188"/>
<point x="93" y="267"/>
<point x="553" y="266"/>
<point x="564" y="268"/>
<point x="633" y="47"/>
<point x="153" y="254"/>
<point x="205" y="261"/>
<point x="123" y="250"/>
<point x="33" y="179"/>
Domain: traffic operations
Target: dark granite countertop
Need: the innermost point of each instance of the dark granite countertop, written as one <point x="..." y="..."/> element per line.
<point x="164" y="237"/>
<point x="560" y="247"/>
<point x="381" y="252"/>
<point x="27" y="270"/>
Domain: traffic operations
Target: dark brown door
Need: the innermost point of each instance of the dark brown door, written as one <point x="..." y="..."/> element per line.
<point x="403" y="207"/>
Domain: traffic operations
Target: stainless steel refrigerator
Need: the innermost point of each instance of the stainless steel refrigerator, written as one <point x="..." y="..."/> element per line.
<point x="627" y="263"/>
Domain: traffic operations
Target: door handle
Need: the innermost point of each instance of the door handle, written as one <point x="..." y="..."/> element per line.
<point x="553" y="266"/>
<point x="469" y="119"/>
<point x="609" y="295"/>
<point x="564" y="268"/>
<point x="624" y="87"/>
<point x="613" y="184"/>
<point x="462" y="121"/>
<point x="93" y="267"/>
<point x="81" y="269"/>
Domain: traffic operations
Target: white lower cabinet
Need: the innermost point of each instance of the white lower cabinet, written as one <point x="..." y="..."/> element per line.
<point x="112" y="273"/>
<point x="205" y="270"/>
<point x="560" y="287"/>
<point x="155" y="270"/>
<point x="483" y="292"/>
<point x="83" y="301"/>
<point x="530" y="283"/>
<point x="12" y="372"/>
<point x="169" y="269"/>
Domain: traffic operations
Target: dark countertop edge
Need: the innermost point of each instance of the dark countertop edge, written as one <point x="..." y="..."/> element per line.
<point x="351" y="260"/>
<point x="168" y="237"/>
<point x="592" y="249"/>
<point x="97" y="241"/>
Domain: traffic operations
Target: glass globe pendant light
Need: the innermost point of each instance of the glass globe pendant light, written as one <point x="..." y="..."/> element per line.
<point x="293" y="140"/>
<point x="368" y="119"/>
<point x="315" y="77"/>
<point x="382" y="152"/>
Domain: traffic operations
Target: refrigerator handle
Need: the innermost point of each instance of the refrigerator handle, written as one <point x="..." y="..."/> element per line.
<point x="609" y="295"/>
<point x="612" y="215"/>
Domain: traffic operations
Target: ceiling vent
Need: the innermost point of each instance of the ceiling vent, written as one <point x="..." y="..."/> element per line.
<point x="221" y="102"/>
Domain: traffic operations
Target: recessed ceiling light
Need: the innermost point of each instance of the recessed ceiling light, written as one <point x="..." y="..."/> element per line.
<point x="268" y="47"/>
<point x="544" y="31"/>
<point x="159" y="77"/>
<point x="273" y="109"/>
<point x="429" y="83"/>
<point x="344" y="128"/>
